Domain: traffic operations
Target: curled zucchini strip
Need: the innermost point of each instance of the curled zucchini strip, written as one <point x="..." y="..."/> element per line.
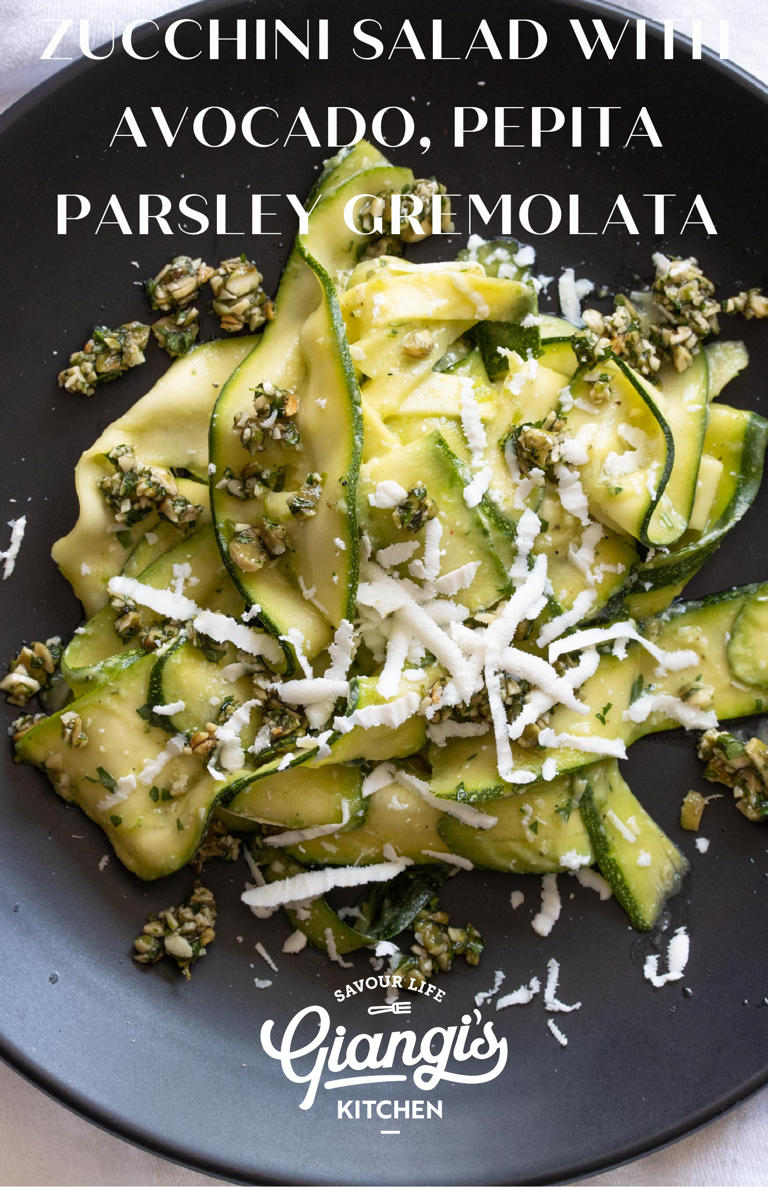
<point x="278" y="546"/>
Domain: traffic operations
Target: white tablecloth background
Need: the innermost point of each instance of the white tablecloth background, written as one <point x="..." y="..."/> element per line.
<point x="41" y="1142"/>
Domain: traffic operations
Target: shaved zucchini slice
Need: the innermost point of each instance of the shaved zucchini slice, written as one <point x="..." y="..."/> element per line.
<point x="747" y="653"/>
<point x="536" y="832"/>
<point x="466" y="768"/>
<point x="630" y="452"/>
<point x="299" y="797"/>
<point x="398" y="819"/>
<point x="640" y="863"/>
<point x="734" y="454"/>
<point x="97" y="641"/>
<point x="168" y="428"/>
<point x="154" y="821"/>
<point x="464" y="540"/>
<point x="312" y="355"/>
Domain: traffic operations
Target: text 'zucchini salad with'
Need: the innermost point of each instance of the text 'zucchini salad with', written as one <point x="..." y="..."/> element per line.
<point x="387" y="591"/>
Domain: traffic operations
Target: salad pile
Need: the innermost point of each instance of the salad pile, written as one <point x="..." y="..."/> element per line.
<point x="390" y="588"/>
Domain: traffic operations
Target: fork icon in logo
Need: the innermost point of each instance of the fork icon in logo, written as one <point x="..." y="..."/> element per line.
<point x="392" y="1008"/>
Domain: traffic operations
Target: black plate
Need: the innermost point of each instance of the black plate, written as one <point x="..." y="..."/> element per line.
<point x="179" y="1068"/>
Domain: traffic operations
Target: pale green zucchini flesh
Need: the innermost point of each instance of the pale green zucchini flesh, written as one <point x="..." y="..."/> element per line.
<point x="168" y="428"/>
<point x="157" y="826"/>
<point x="643" y="867"/>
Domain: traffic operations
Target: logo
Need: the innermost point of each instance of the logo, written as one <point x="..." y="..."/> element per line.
<point x="323" y="1057"/>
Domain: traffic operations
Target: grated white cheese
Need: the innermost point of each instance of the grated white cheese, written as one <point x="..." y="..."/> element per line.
<point x="9" y="556"/>
<point x="525" y="666"/>
<point x="125" y="785"/>
<point x="571" y="292"/>
<point x="678" y="951"/>
<point x="457" y="579"/>
<point x="219" y="627"/>
<point x="308" y="592"/>
<point x="429" y="567"/>
<point x="558" y="1034"/>
<point x="233" y="672"/>
<point x="262" y="740"/>
<point x="388" y="682"/>
<point x="260" y="880"/>
<point x="265" y="956"/>
<point x="162" y="601"/>
<point x="516" y="898"/>
<point x="571" y="493"/>
<point x="702" y="844"/>
<point x="574" y="451"/>
<point x="451" y="859"/>
<point x="643" y="858"/>
<point x="477" y="486"/>
<point x="342" y="650"/>
<point x="590" y="745"/>
<point x="253" y="611"/>
<point x="594" y="881"/>
<point x="573" y="860"/>
<point x="527" y="529"/>
<point x="672" y="707"/>
<point x="296" y="942"/>
<point x="549" y="912"/>
<point x="391" y="714"/>
<point x="520" y="996"/>
<point x="169" y="710"/>
<point x="387" y="495"/>
<point x="485" y="995"/>
<point x="230" y="752"/>
<point x="309" y="692"/>
<point x="314" y="883"/>
<point x="583" y="557"/>
<point x="463" y="285"/>
<point x="296" y="836"/>
<point x="333" y="953"/>
<point x="154" y="766"/>
<point x="440" y="732"/>
<point x="397" y="554"/>
<point x="464" y="812"/>
<point x="621" y="827"/>
<point x="381" y="776"/>
<point x="561" y="622"/>
<point x="674" y="661"/>
<point x="389" y="853"/>
<point x="181" y="574"/>
<point x="549" y="769"/>
<point x="471" y="421"/>
<point x="298" y="643"/>
<point x="551" y="1002"/>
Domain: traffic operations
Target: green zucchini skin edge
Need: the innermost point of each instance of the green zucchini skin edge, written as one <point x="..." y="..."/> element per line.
<point x="668" y="440"/>
<point x="356" y="409"/>
<point x="300" y="259"/>
<point x="672" y="568"/>
<point x="672" y="863"/>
